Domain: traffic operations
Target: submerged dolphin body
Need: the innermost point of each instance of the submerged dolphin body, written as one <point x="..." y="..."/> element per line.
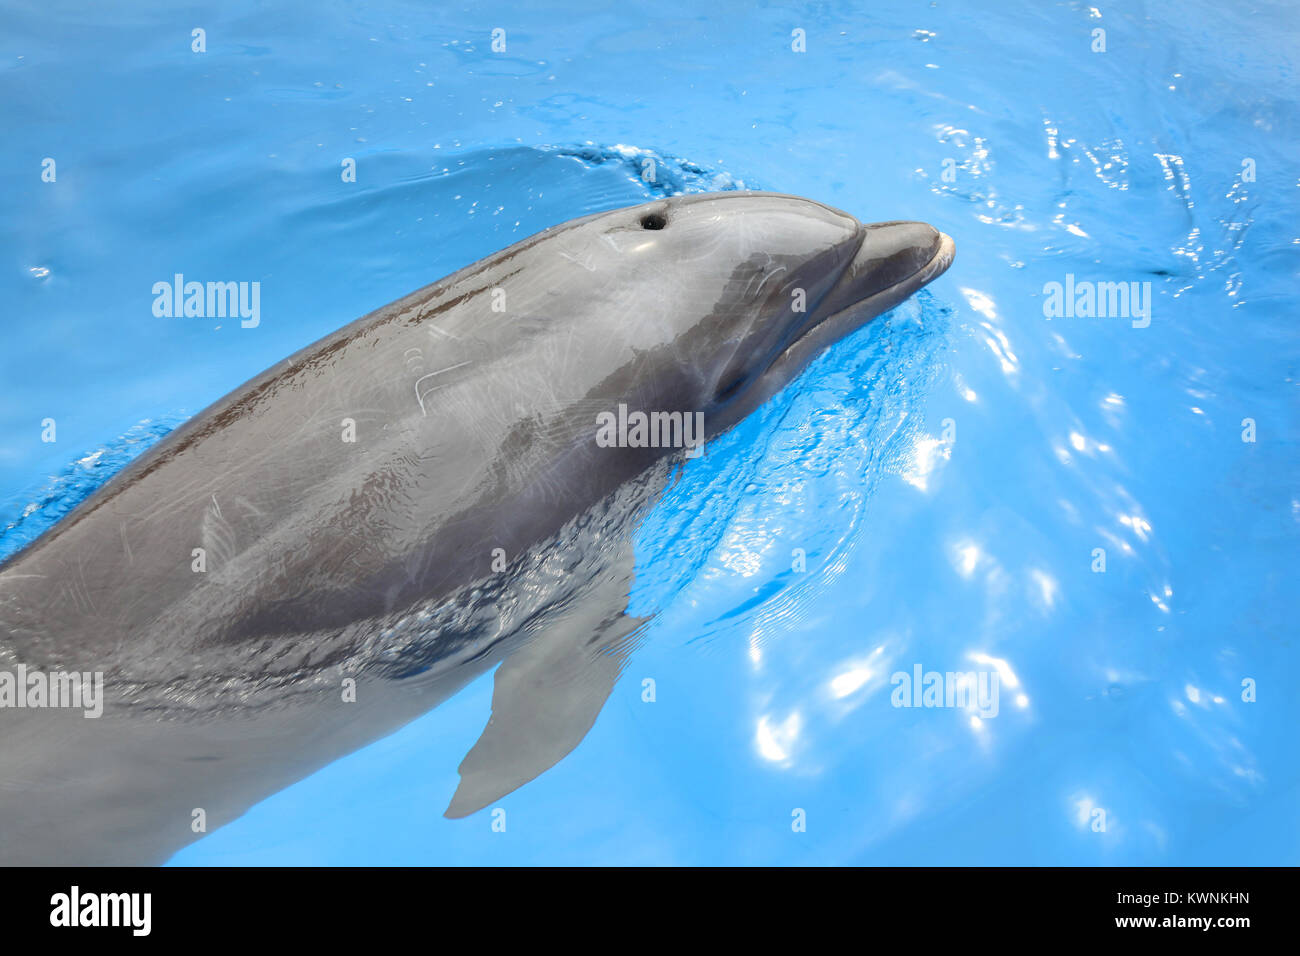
<point x="405" y="504"/>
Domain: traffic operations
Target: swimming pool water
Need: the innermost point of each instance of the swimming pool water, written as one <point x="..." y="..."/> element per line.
<point x="948" y="473"/>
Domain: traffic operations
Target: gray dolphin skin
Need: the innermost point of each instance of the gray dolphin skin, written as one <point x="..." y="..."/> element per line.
<point x="349" y="538"/>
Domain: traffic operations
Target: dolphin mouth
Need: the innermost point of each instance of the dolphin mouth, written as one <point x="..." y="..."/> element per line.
<point x="861" y="293"/>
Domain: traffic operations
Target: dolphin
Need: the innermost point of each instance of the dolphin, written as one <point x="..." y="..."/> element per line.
<point x="444" y="486"/>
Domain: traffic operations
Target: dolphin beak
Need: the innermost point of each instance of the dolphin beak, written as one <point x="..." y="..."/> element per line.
<point x="892" y="261"/>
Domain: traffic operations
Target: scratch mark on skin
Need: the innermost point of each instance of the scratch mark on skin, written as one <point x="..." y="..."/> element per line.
<point x="250" y="507"/>
<point x="770" y="275"/>
<point x="445" y="335"/>
<point x="126" y="546"/>
<point x="419" y="396"/>
<point x="85" y="595"/>
<point x="584" y="262"/>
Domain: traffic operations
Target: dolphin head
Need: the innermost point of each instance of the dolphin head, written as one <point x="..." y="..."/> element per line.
<point x="744" y="289"/>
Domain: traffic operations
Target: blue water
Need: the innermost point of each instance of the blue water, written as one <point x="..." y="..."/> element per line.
<point x="948" y="472"/>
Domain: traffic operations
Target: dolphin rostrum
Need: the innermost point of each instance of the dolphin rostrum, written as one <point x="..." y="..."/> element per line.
<point x="444" y="485"/>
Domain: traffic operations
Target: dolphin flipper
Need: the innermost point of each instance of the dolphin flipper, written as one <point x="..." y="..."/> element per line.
<point x="552" y="685"/>
<point x="547" y="697"/>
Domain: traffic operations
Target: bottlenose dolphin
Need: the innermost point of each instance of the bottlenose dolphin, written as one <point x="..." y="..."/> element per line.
<point x="433" y="490"/>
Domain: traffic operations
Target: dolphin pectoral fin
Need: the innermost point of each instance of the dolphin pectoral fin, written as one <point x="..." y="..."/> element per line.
<point x="550" y="689"/>
<point x="546" y="698"/>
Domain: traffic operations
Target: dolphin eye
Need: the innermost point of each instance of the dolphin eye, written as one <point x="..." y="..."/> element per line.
<point x="653" y="220"/>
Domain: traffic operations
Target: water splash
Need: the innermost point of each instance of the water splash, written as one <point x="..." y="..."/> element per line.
<point x="79" y="480"/>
